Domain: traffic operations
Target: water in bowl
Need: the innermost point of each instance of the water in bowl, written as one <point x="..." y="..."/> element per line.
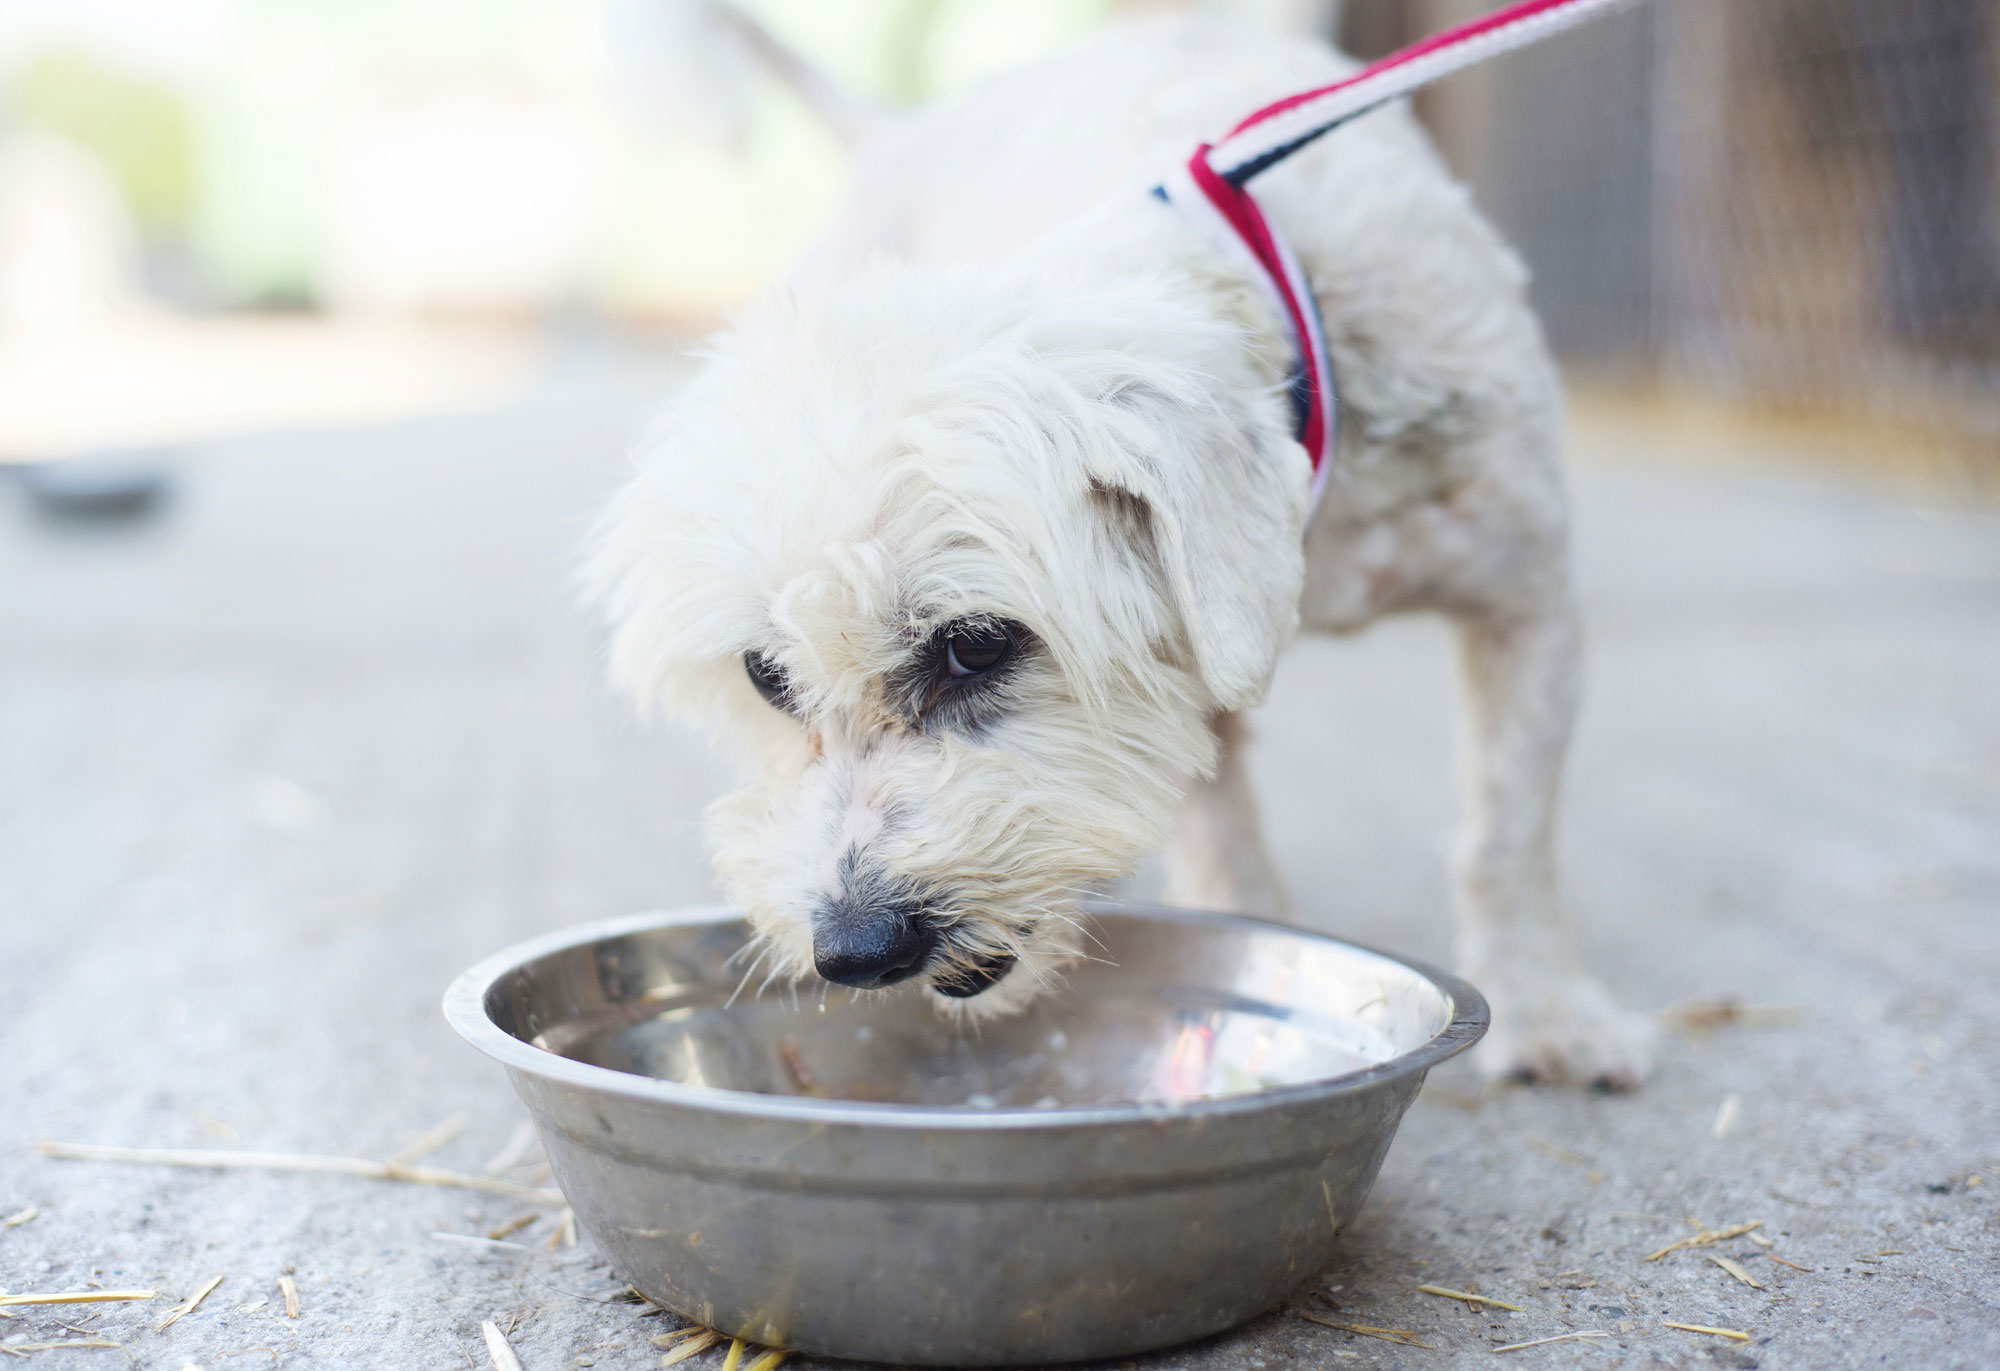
<point x="1088" y="1045"/>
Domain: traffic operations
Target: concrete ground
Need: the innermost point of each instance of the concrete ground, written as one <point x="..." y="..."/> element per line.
<point x="283" y="761"/>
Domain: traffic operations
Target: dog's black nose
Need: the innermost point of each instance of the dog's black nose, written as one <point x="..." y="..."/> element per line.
<point x="869" y="944"/>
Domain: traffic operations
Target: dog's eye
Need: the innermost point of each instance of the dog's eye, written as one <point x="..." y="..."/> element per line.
<point x="769" y="678"/>
<point x="976" y="648"/>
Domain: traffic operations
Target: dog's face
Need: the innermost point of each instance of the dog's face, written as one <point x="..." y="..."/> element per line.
<point x="966" y="564"/>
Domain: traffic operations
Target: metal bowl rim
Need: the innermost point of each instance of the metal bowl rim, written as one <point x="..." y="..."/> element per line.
<point x="465" y="1010"/>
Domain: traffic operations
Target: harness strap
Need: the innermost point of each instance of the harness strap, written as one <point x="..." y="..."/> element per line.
<point x="1236" y="225"/>
<point x="1210" y="188"/>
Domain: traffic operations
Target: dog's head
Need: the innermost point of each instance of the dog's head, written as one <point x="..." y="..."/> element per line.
<point x="967" y="562"/>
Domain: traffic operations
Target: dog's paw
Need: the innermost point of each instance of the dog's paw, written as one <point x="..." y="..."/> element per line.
<point x="1551" y="1027"/>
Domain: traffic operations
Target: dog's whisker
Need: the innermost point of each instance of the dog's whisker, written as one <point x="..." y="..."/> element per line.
<point x="759" y="947"/>
<point x="777" y="970"/>
<point x="1057" y="916"/>
<point x="742" y="951"/>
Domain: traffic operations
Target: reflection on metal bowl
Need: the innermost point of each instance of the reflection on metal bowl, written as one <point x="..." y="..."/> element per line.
<point x="1163" y="1146"/>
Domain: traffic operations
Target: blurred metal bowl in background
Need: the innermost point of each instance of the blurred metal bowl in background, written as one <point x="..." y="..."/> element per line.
<point x="1162" y="1147"/>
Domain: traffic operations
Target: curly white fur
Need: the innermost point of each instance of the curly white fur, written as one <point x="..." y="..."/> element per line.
<point x="1009" y="386"/>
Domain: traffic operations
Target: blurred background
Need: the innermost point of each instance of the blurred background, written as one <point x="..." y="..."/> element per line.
<point x="326" y="326"/>
<point x="223" y="215"/>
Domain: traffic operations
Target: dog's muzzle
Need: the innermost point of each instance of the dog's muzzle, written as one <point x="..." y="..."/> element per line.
<point x="868" y="944"/>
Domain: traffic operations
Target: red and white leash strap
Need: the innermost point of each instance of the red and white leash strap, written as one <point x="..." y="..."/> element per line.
<point x="1210" y="187"/>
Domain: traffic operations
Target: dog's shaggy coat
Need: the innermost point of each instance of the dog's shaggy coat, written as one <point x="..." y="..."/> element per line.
<point x="1009" y="392"/>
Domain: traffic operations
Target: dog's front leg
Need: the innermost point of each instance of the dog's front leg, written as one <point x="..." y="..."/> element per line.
<point x="1218" y="859"/>
<point x="1552" y="1020"/>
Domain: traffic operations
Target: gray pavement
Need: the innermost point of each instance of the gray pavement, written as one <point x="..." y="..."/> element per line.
<point x="280" y="764"/>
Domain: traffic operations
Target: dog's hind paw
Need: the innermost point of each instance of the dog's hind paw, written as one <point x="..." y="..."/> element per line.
<point x="1563" y="1028"/>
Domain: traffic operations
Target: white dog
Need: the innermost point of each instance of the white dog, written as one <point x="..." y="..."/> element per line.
<point x="986" y="529"/>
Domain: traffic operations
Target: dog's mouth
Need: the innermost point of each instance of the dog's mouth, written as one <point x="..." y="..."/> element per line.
<point x="967" y="979"/>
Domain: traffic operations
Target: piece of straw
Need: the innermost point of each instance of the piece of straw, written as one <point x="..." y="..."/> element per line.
<point x="519" y="1143"/>
<point x="651" y="1310"/>
<point x="510" y="1227"/>
<point x="429" y="1142"/>
<point x="1396" y="1335"/>
<point x="1707" y="1237"/>
<point x="174" y="1316"/>
<point x="80" y="1297"/>
<point x="1539" y="1342"/>
<point x="669" y="1339"/>
<point x="1701" y="1016"/>
<point x="795" y="1066"/>
<point x="693" y="1347"/>
<point x="1470" y="1298"/>
<point x="25" y="1216"/>
<point x="499" y="1349"/>
<point x="1704" y="1328"/>
<point x="565" y="1234"/>
<point x="1782" y="1262"/>
<point x="289" y="1288"/>
<point x="735" y="1357"/>
<point x="57" y="1346"/>
<point x="475" y="1240"/>
<point x="769" y="1361"/>
<point x="1735" y="1269"/>
<point x="298" y="1161"/>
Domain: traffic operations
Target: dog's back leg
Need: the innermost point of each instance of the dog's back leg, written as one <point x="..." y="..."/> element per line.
<point x="1218" y="859"/>
<point x="1522" y="667"/>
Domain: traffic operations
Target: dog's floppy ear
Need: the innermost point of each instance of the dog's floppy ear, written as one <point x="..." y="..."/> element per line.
<point x="1223" y="503"/>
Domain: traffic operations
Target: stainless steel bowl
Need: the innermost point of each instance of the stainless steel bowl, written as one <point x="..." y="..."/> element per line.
<point x="1164" y="1147"/>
